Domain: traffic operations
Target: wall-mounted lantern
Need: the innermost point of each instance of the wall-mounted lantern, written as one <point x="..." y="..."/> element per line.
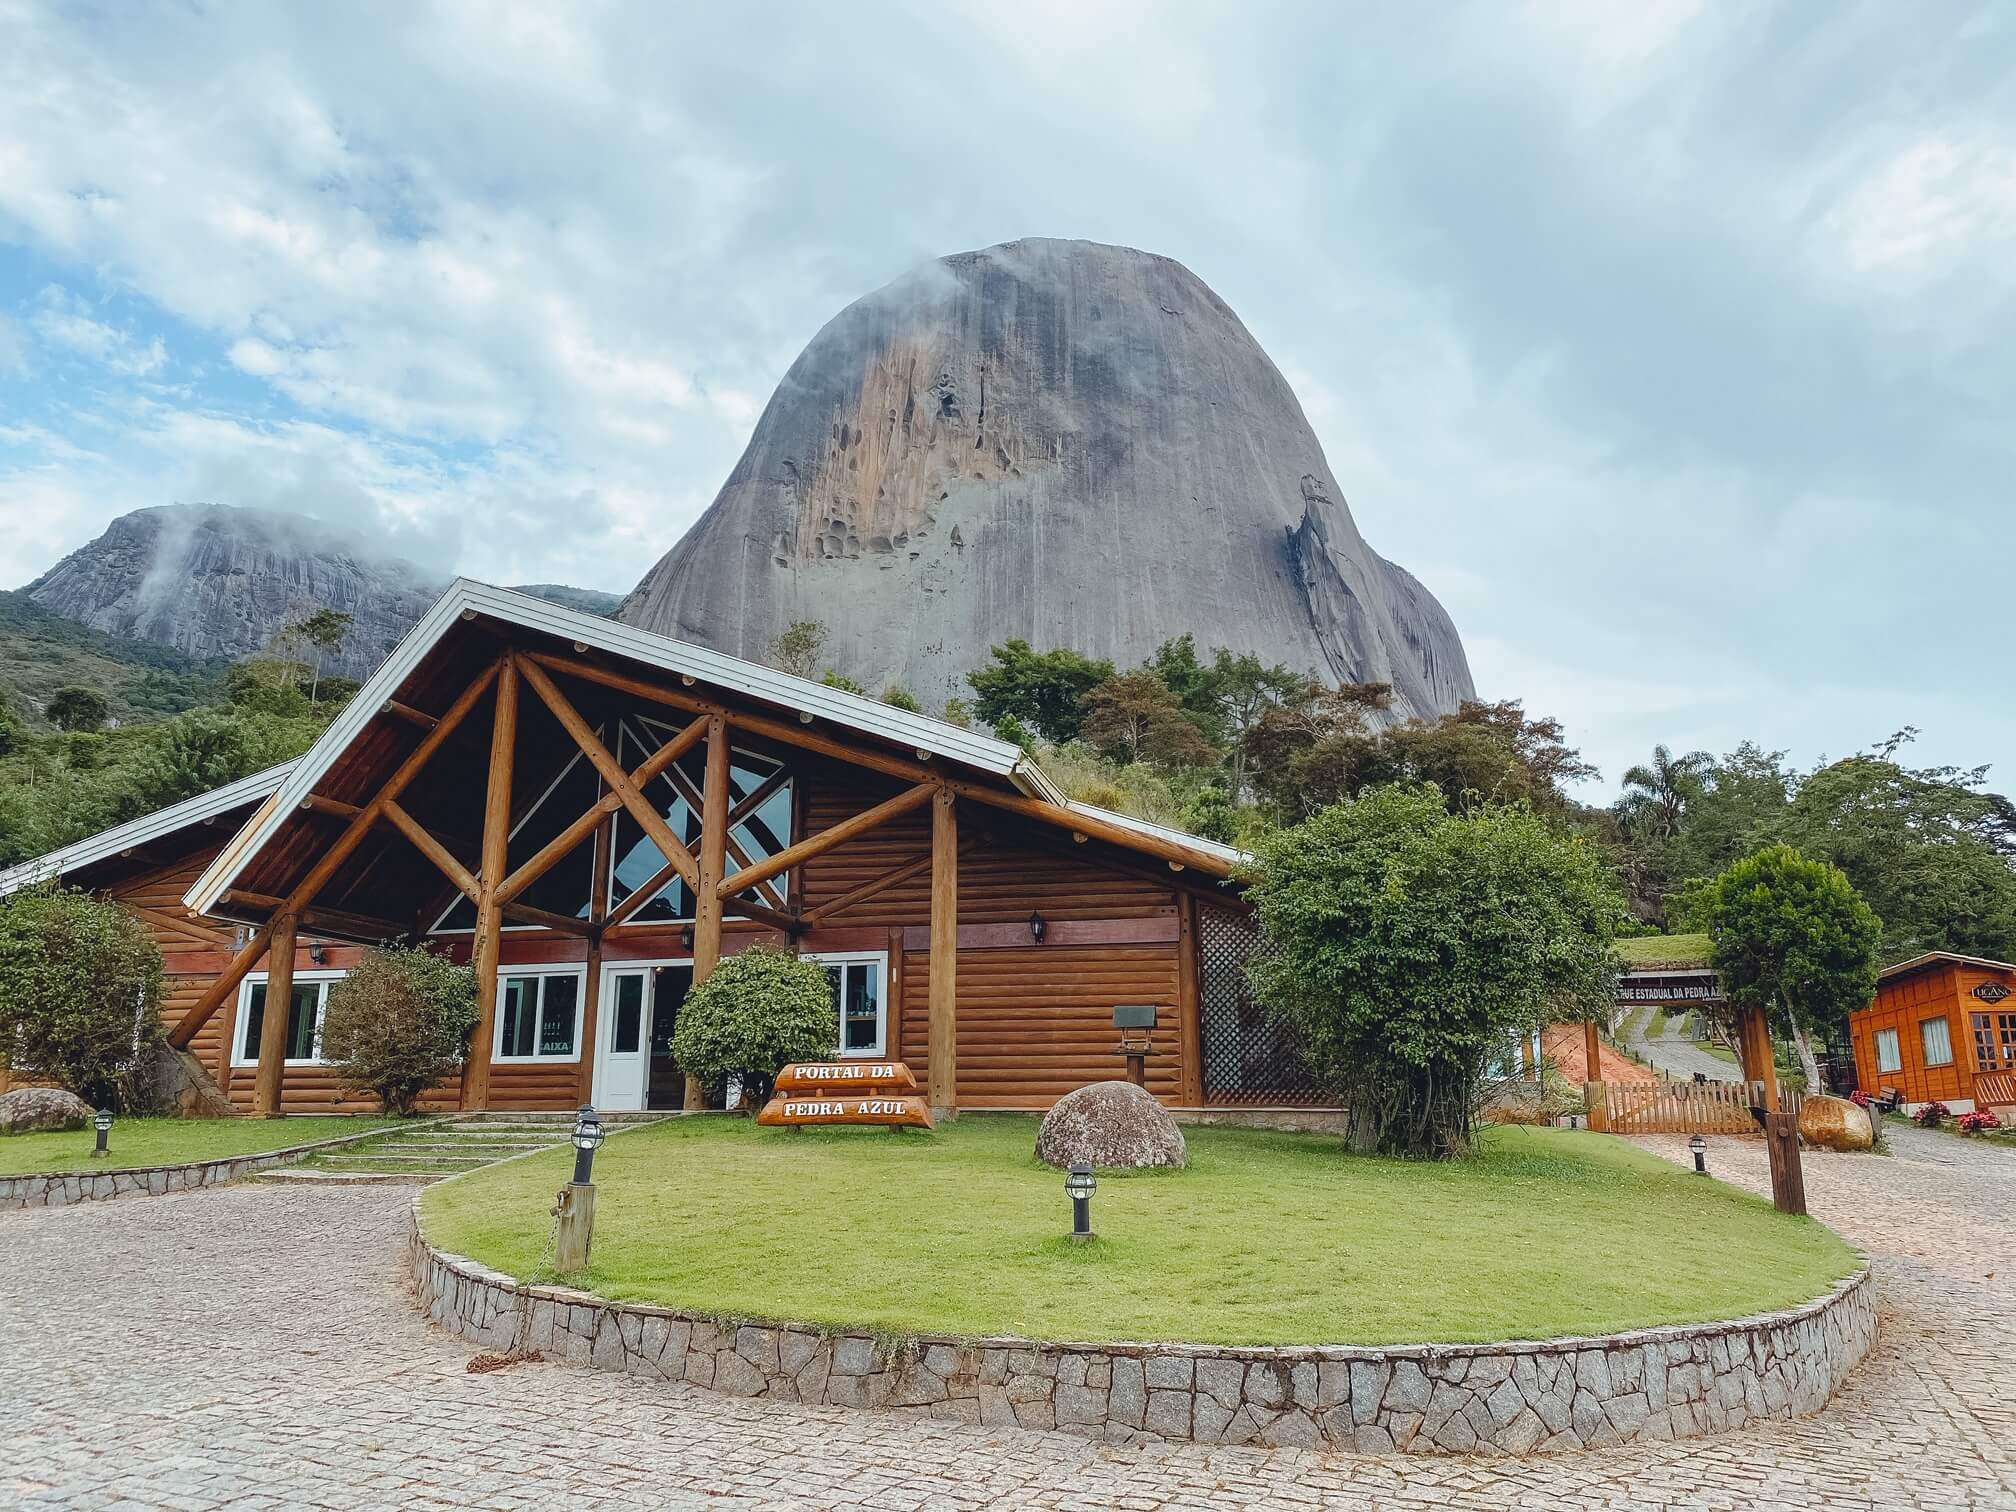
<point x="1037" y="927"/>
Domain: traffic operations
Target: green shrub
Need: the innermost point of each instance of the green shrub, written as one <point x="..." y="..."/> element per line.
<point x="756" y="1013"/>
<point x="80" y="994"/>
<point x="398" y="1024"/>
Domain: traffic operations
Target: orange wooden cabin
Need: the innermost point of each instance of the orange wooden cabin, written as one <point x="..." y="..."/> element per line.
<point x="593" y="817"/>
<point x="1941" y="1029"/>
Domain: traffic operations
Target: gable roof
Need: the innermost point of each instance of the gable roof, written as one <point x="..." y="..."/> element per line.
<point x="1934" y="957"/>
<point x="109" y="843"/>
<point x="466" y="599"/>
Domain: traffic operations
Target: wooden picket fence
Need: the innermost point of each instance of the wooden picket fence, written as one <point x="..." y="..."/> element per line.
<point x="1676" y="1107"/>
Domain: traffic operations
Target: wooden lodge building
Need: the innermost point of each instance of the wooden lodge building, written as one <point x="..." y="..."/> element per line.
<point x="1941" y="1029"/>
<point x="594" y="816"/>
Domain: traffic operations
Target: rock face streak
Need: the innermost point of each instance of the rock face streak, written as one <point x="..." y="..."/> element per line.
<point x="1073" y="443"/>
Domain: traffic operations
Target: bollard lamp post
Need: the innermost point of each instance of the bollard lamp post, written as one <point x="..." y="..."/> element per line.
<point x="1700" y="1148"/>
<point x="103" y="1124"/>
<point x="1079" y="1185"/>
<point x="588" y="1137"/>
<point x="575" y="1212"/>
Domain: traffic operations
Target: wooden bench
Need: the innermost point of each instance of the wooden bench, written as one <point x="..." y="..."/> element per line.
<point x="1996" y="1090"/>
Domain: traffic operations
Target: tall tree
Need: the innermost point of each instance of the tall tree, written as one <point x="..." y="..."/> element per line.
<point x="1657" y="793"/>
<point x="76" y="709"/>
<point x="1793" y="937"/>
<point x="1409" y="946"/>
<point x="324" y="631"/>
<point x="1041" y="690"/>
<point x="1135" y="716"/>
<point x="796" y="650"/>
<point x="1932" y="849"/>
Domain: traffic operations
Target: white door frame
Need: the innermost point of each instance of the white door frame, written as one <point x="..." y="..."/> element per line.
<point x="605" y="1017"/>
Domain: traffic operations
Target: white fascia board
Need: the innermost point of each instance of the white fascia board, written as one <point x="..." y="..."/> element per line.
<point x="788" y="693"/>
<point x="108" y="843"/>
<point x="1228" y="853"/>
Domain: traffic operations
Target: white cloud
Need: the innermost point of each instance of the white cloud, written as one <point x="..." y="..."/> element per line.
<point x="1581" y="298"/>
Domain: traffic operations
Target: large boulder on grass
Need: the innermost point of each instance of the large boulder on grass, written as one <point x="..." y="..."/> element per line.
<point x="33" y="1110"/>
<point x="1834" y="1123"/>
<point x="1112" y="1124"/>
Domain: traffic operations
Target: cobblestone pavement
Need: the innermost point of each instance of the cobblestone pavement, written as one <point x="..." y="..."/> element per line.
<point x="254" y="1347"/>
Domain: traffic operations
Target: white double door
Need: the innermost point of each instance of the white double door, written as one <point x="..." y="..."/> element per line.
<point x="635" y="997"/>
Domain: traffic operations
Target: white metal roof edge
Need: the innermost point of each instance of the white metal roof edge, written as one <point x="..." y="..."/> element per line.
<point x="1227" y="853"/>
<point x="867" y="715"/>
<point x="147" y="827"/>
<point x="1942" y="955"/>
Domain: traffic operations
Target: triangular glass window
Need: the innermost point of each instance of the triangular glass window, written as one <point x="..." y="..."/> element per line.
<point x="564" y="888"/>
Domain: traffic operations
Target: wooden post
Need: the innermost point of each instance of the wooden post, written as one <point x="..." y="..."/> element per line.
<point x="714" y="805"/>
<point x="1189" y="1003"/>
<point x="266" y="1087"/>
<point x="893" y="1047"/>
<point x="571" y="1235"/>
<point x="944" y="1054"/>
<point x="1788" y="1179"/>
<point x="489" y="912"/>
<point x="591" y="1004"/>
<point x="1592" y="1052"/>
<point x="1760" y="1063"/>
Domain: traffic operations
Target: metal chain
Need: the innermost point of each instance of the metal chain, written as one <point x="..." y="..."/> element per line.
<point x="523" y="1332"/>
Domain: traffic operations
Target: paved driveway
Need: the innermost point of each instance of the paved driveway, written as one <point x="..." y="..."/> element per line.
<point x="1673" y="1052"/>
<point x="252" y="1347"/>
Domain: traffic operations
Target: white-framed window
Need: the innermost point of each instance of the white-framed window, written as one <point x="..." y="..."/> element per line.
<point x="304" y="1017"/>
<point x="860" y="1000"/>
<point x="1937" y="1037"/>
<point x="1888" y="1057"/>
<point x="538" y="1015"/>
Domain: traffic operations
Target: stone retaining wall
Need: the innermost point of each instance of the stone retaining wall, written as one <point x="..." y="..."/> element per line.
<point x="1513" y="1398"/>
<point x="61" y="1189"/>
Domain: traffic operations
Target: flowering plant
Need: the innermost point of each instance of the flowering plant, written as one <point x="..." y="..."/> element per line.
<point x="1980" y="1121"/>
<point x="1931" y="1115"/>
<point x="1859" y="1098"/>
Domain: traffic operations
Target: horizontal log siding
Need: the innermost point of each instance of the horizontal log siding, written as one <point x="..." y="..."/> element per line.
<point x="1037" y="1023"/>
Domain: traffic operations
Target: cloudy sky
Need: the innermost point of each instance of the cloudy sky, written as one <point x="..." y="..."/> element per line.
<point x="1671" y="345"/>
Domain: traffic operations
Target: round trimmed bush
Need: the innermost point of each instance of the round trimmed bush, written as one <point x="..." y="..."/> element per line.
<point x="80" y="994"/>
<point x="399" y="1023"/>
<point x="756" y="1013"/>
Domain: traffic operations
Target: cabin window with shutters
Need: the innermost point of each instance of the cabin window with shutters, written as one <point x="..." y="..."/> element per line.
<point x="538" y="1016"/>
<point x="304" y="1018"/>
<point x="1888" y="1057"/>
<point x="1937" y="1038"/>
<point x="860" y="1006"/>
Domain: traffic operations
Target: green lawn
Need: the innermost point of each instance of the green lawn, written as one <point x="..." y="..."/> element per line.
<point x="1644" y="952"/>
<point x="1266" y="1238"/>
<point x="170" y="1141"/>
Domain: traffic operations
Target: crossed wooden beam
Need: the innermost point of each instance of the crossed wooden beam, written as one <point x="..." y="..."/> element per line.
<point x="498" y="894"/>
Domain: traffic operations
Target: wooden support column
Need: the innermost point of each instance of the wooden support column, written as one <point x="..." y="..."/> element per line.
<point x="273" y="1027"/>
<point x="489" y="909"/>
<point x="944" y="1062"/>
<point x="1760" y="1062"/>
<point x="1592" y="1072"/>
<point x="1189" y="1003"/>
<point x="714" y="806"/>
<point x="591" y="997"/>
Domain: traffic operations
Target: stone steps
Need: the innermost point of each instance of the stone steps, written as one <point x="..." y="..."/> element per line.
<point x="468" y="1143"/>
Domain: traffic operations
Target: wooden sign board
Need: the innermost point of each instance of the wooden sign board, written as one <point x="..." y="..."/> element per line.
<point x="845" y="1076"/>
<point x="872" y="1093"/>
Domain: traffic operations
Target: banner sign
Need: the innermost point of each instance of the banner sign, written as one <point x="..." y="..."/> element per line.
<point x="872" y="1093"/>
<point x="1669" y="989"/>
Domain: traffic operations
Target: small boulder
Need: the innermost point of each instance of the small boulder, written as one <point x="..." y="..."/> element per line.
<point x="1834" y="1123"/>
<point x="1113" y="1124"/>
<point x="30" y="1110"/>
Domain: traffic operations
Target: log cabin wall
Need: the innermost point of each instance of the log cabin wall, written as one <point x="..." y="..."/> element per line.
<point x="195" y="952"/>
<point x="1941" y="989"/>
